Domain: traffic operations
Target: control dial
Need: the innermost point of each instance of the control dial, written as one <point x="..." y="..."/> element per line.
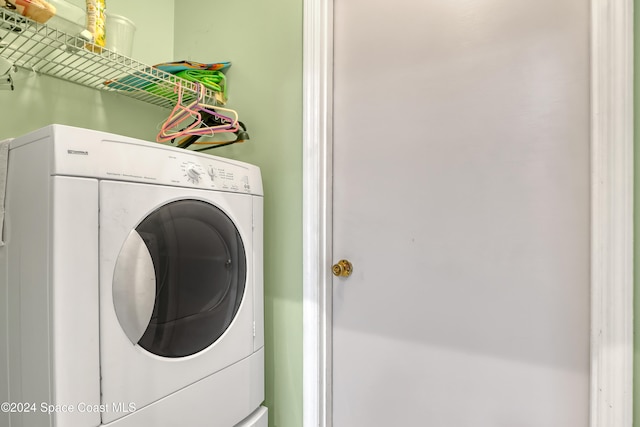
<point x="192" y="172"/>
<point x="212" y="173"/>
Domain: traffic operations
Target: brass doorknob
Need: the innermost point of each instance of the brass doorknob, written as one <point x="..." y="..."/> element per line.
<point x="342" y="269"/>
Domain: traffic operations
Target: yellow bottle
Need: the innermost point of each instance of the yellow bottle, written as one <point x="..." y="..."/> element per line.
<point x="96" y="24"/>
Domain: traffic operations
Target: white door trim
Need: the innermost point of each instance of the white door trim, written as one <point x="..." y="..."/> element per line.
<point x="611" y="212"/>
<point x="317" y="211"/>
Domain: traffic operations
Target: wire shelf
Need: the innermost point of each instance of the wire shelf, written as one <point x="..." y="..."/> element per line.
<point x="34" y="46"/>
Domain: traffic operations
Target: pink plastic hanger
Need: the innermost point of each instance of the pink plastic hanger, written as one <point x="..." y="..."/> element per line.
<point x="180" y="113"/>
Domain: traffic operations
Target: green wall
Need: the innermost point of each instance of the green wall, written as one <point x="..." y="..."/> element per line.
<point x="40" y="100"/>
<point x="153" y="41"/>
<point x="263" y="40"/>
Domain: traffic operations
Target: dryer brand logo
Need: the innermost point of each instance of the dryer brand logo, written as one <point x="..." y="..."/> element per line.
<point x="82" y="153"/>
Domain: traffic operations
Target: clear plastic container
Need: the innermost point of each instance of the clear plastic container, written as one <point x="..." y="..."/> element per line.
<point x="120" y="32"/>
<point x="68" y="17"/>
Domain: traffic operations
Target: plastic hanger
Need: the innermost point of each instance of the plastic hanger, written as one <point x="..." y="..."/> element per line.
<point x="241" y="136"/>
<point x="213" y="110"/>
<point x="214" y="124"/>
<point x="218" y="123"/>
<point x="177" y="116"/>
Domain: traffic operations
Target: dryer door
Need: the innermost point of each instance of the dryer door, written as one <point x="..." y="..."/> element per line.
<point x="176" y="289"/>
<point x="179" y="278"/>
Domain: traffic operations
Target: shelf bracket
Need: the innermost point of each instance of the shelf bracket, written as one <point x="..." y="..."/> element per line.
<point x="6" y="70"/>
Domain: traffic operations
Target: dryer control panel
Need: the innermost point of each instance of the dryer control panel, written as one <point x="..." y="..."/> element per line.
<point x="89" y="153"/>
<point x="215" y="174"/>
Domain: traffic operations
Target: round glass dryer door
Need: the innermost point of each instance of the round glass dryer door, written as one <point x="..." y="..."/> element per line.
<point x="179" y="278"/>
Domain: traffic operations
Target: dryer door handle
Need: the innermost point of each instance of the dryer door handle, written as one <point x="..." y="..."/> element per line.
<point x="134" y="287"/>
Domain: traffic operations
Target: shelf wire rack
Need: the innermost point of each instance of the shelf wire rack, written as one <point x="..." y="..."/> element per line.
<point x="38" y="47"/>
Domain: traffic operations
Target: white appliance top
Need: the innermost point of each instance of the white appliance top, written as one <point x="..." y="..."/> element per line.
<point x="89" y="153"/>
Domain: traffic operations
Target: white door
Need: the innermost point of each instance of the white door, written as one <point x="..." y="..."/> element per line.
<point x="461" y="197"/>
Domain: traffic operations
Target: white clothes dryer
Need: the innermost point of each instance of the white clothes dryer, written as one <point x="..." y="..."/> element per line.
<point x="133" y="281"/>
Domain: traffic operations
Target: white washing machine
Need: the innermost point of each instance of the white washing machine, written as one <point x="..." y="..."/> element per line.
<point x="131" y="281"/>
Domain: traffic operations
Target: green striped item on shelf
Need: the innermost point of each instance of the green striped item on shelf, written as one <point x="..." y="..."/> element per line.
<point x="213" y="80"/>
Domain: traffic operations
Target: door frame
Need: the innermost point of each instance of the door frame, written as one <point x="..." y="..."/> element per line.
<point x="612" y="171"/>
